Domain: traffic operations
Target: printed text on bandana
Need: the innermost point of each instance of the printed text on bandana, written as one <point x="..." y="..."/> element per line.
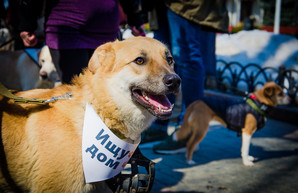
<point x="117" y="152"/>
<point x="104" y="154"/>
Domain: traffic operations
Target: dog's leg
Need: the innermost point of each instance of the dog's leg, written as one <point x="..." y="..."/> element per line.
<point x="246" y="159"/>
<point x="183" y="133"/>
<point x="247" y="132"/>
<point x="196" y="122"/>
<point x="199" y="130"/>
<point x="192" y="145"/>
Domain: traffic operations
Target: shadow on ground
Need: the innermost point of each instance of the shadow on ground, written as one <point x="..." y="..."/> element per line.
<point x="219" y="167"/>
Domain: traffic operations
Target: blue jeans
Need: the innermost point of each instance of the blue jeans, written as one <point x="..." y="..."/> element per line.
<point x="162" y="34"/>
<point x="194" y="52"/>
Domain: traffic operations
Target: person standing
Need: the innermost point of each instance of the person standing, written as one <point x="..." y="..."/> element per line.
<point x="193" y="26"/>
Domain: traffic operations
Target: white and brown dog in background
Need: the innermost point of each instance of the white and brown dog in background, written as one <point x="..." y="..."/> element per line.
<point x="198" y="115"/>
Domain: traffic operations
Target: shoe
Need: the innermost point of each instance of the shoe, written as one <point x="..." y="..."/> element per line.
<point x="169" y="146"/>
<point x="153" y="134"/>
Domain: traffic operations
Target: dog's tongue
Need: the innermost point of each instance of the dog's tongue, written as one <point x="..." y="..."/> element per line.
<point x="161" y="101"/>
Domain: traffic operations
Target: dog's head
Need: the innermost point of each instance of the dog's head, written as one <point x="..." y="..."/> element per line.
<point x="272" y="94"/>
<point x="139" y="72"/>
<point x="47" y="73"/>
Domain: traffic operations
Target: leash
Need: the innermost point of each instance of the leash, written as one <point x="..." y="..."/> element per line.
<point x="235" y="89"/>
<point x="5" y="92"/>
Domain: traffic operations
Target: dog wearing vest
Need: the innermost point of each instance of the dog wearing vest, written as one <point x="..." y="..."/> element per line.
<point x="126" y="83"/>
<point x="244" y="117"/>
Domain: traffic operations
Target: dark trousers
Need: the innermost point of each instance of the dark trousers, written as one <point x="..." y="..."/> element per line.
<point x="70" y="62"/>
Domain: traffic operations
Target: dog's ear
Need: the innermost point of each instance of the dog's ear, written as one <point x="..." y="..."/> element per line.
<point x="103" y="58"/>
<point x="268" y="91"/>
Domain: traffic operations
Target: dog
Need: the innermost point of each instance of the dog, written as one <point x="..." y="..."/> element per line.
<point x="20" y="72"/>
<point x="126" y="82"/>
<point x="48" y="76"/>
<point x="239" y="116"/>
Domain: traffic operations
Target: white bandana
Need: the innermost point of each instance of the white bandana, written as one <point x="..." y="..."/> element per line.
<point x="104" y="154"/>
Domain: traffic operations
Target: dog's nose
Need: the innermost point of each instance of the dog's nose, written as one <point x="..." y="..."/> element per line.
<point x="172" y="81"/>
<point x="43" y="75"/>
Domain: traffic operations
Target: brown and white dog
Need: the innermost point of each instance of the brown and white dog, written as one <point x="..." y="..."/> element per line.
<point x="20" y="72"/>
<point x="126" y="83"/>
<point x="199" y="114"/>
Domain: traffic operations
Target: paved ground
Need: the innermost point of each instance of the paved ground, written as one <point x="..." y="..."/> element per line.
<point x="219" y="167"/>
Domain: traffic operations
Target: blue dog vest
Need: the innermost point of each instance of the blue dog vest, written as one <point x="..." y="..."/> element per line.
<point x="234" y="111"/>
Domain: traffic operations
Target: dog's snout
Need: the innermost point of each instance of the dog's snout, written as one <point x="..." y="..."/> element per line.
<point x="172" y="81"/>
<point x="43" y="75"/>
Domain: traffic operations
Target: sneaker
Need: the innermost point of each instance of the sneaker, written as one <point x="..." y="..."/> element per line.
<point x="169" y="146"/>
<point x="153" y="134"/>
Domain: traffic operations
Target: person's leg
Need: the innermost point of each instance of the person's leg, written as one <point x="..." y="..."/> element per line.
<point x="209" y="59"/>
<point x="158" y="129"/>
<point x="186" y="40"/>
<point x="162" y="34"/>
<point x="186" y="50"/>
<point x="70" y="62"/>
<point x="208" y="51"/>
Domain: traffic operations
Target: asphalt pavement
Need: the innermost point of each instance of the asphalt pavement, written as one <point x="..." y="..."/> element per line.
<point x="219" y="167"/>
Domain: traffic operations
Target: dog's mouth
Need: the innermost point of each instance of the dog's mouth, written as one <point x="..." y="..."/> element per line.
<point x="158" y="105"/>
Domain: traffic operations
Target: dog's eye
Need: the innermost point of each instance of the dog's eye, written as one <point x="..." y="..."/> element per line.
<point x="139" y="61"/>
<point x="170" y="60"/>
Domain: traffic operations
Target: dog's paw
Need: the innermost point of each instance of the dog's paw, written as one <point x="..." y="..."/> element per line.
<point x="247" y="162"/>
<point x="250" y="158"/>
<point x="191" y="162"/>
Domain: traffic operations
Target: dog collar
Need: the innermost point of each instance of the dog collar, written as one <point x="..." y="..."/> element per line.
<point x="104" y="154"/>
<point x="252" y="96"/>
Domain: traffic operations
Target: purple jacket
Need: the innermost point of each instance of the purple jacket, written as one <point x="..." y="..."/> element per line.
<point x="82" y="23"/>
<point x="72" y="24"/>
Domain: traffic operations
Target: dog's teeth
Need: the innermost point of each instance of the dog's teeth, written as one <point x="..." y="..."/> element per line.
<point x="172" y="106"/>
<point x="145" y="96"/>
<point x="159" y="108"/>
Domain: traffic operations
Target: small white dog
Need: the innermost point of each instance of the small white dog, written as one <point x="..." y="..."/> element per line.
<point x="20" y="72"/>
<point x="48" y="77"/>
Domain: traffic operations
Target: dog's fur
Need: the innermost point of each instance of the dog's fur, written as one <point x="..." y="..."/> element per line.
<point x="42" y="144"/>
<point x="199" y="114"/>
<point x="19" y="71"/>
